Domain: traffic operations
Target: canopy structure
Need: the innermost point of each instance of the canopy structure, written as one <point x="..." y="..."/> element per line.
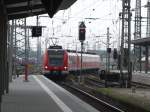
<point x="16" y="9"/>
<point x="24" y="8"/>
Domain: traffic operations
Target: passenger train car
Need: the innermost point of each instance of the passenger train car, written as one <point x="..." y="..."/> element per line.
<point x="58" y="61"/>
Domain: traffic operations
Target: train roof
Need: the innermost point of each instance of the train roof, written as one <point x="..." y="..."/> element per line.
<point x="74" y="51"/>
<point x="70" y="51"/>
<point x="87" y="55"/>
<point x="55" y="47"/>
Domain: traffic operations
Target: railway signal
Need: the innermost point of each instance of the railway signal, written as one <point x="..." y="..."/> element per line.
<point x="36" y="31"/>
<point x="115" y="54"/>
<point x="108" y="50"/>
<point x="82" y="31"/>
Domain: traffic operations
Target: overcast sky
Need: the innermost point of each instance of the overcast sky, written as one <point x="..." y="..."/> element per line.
<point x="64" y="24"/>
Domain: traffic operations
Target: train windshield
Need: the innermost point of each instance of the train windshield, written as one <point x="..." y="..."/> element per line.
<point x="56" y="57"/>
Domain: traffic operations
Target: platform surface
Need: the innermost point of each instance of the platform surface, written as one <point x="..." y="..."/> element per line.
<point x="41" y="95"/>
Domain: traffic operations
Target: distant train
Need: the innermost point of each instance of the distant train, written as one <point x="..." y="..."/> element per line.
<point x="58" y="61"/>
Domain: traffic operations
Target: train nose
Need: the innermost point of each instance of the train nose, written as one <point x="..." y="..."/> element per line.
<point x="55" y="68"/>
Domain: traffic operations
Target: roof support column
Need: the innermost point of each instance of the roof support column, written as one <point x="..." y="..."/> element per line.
<point x="10" y="50"/>
<point x="3" y="51"/>
<point x="5" y="65"/>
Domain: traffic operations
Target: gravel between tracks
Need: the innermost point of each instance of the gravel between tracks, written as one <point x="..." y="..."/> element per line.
<point x="131" y="100"/>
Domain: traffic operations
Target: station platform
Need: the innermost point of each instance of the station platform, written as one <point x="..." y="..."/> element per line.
<point x="40" y="94"/>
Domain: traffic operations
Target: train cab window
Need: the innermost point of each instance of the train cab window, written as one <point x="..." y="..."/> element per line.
<point x="56" y="57"/>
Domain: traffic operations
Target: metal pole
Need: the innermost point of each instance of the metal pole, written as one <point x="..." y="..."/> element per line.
<point x="122" y="45"/>
<point x="81" y="60"/>
<point x="0" y="103"/>
<point x="26" y="53"/>
<point x="6" y="81"/>
<point x="1" y="64"/>
<point x="147" y="35"/>
<point x="126" y="40"/>
<point x="82" y="38"/>
<point x="10" y="49"/>
<point x="146" y="59"/>
<point x="137" y="33"/>
<point x="37" y="18"/>
<point x="119" y="35"/>
<point x="140" y="57"/>
<point x="129" y="46"/>
<point x="27" y="36"/>
<point x="28" y="45"/>
<point x="108" y="54"/>
<point x="107" y="57"/>
<point x="1" y="35"/>
<point x="1" y="51"/>
<point x="3" y="47"/>
<point x="7" y="31"/>
<point x="14" y="49"/>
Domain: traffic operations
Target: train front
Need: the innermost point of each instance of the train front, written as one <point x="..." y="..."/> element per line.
<point x="56" y="62"/>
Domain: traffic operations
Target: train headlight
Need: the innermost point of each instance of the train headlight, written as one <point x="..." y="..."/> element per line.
<point x="65" y="67"/>
<point x="46" y="67"/>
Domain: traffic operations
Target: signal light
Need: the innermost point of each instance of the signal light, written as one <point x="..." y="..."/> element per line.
<point x="82" y="31"/>
<point x="36" y="31"/>
<point x="108" y="50"/>
<point x="46" y="67"/>
<point x="115" y="54"/>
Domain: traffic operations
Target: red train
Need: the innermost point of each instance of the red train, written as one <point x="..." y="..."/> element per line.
<point x="58" y="61"/>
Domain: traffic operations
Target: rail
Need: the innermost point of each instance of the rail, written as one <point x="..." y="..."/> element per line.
<point x="105" y="105"/>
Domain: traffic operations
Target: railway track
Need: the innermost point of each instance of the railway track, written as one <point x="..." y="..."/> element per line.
<point x="98" y="103"/>
<point x="140" y="85"/>
<point x="95" y="82"/>
<point x="87" y="92"/>
<point x="99" y="83"/>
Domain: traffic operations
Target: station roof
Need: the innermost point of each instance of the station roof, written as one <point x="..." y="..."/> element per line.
<point x="25" y="8"/>
<point x="141" y="41"/>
